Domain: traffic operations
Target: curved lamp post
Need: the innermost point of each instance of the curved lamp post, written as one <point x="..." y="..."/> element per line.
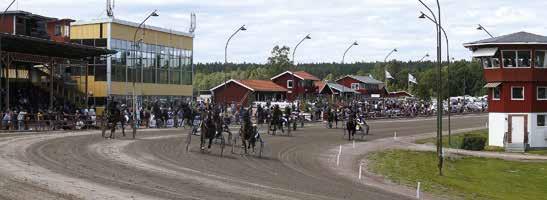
<point x="293" y="89"/>
<point x="425" y="56"/>
<point x="424" y="16"/>
<point x="296" y="47"/>
<point x="350" y="46"/>
<point x="385" y="65"/>
<point x="153" y="14"/>
<point x="437" y="20"/>
<point x="481" y="28"/>
<point x="242" y="28"/>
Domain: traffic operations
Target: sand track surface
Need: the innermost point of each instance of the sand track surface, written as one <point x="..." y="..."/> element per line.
<point x="84" y="165"/>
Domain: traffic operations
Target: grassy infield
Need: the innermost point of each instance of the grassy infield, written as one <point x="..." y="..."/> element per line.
<point x="464" y="177"/>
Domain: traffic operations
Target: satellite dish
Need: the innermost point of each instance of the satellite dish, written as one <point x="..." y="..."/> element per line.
<point x="192" y="23"/>
<point x="110" y="8"/>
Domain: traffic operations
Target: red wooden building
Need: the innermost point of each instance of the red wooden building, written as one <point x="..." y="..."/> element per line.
<point x="300" y="84"/>
<point x="365" y="85"/>
<point x="515" y="68"/>
<point x="242" y="92"/>
<point x="28" y="24"/>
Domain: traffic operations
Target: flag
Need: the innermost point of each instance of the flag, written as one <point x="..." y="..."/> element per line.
<point x="370" y="76"/>
<point x="388" y="75"/>
<point x="412" y="79"/>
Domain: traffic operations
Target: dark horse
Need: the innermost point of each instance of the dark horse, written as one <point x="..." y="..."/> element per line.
<point x="351" y="126"/>
<point x="208" y="130"/>
<point x="247" y="133"/>
<point x="113" y="116"/>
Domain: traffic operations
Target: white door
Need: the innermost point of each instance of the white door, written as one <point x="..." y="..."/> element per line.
<point x="517" y="129"/>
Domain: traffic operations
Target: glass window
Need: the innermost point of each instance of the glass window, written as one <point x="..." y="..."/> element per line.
<point x="517" y="93"/>
<point x="540" y="59"/>
<point x="355" y="86"/>
<point x="542" y="93"/>
<point x="486" y="62"/>
<point x="509" y="59"/>
<point x="524" y="58"/>
<point x="496" y="93"/>
<point x="57" y="30"/>
<point x="541" y="120"/>
<point x="289" y="83"/>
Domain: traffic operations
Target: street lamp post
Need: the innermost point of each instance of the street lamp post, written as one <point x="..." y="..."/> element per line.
<point x="385" y="66"/>
<point x="344" y="58"/>
<point x="439" y="102"/>
<point x="293" y="89"/>
<point x="242" y="28"/>
<point x="350" y="46"/>
<point x="134" y="124"/>
<point x="424" y="16"/>
<point x="2" y="74"/>
<point x="425" y="56"/>
<point x="481" y="28"/>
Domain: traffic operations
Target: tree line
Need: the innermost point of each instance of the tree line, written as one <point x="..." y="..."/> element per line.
<point x="466" y="78"/>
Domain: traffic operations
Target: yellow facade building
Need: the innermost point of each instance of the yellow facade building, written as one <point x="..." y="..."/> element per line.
<point x="160" y="63"/>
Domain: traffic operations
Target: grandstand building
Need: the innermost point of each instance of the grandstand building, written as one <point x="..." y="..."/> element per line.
<point x="160" y="63"/>
<point x="40" y="69"/>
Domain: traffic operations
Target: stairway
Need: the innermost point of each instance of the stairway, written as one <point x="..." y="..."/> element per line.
<point x="63" y="80"/>
<point x="515" y="148"/>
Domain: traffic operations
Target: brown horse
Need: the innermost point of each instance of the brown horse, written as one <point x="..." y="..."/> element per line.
<point x="208" y="130"/>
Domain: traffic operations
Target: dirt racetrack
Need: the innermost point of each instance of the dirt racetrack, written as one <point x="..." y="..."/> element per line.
<point x="83" y="165"/>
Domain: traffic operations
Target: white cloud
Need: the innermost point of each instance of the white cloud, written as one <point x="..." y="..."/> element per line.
<point x="379" y="25"/>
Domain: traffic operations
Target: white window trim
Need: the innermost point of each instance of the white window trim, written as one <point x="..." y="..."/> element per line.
<point x="291" y="85"/>
<point x="537" y="93"/>
<point x="516" y="58"/>
<point x="535" y="58"/>
<point x="493" y="96"/>
<point x="523" y="92"/>
<point x="356" y="86"/>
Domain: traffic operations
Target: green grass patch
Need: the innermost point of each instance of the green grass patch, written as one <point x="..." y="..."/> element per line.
<point x="456" y="139"/>
<point x="464" y="177"/>
<point x="542" y="152"/>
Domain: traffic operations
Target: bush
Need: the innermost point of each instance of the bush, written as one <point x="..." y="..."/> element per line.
<point x="473" y="142"/>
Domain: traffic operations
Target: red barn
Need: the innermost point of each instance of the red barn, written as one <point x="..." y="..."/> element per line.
<point x="242" y="92"/>
<point x="300" y="84"/>
<point x="515" y="68"/>
<point x="365" y="85"/>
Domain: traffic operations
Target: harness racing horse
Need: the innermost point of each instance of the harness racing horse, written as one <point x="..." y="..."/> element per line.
<point x="250" y="135"/>
<point x="351" y="126"/>
<point x="246" y="133"/>
<point x="210" y="131"/>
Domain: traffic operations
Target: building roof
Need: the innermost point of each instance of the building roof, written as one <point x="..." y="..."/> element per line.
<point x="514" y="38"/>
<point x="132" y="24"/>
<point x="299" y="74"/>
<point x="50" y="48"/>
<point x="340" y="88"/>
<point x="256" y="85"/>
<point x="262" y="85"/>
<point x="363" y="79"/>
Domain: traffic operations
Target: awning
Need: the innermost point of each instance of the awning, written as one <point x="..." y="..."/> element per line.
<point x="492" y="85"/>
<point x="485" y="52"/>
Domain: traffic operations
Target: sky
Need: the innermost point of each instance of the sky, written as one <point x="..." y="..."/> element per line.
<point x="377" y="25"/>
